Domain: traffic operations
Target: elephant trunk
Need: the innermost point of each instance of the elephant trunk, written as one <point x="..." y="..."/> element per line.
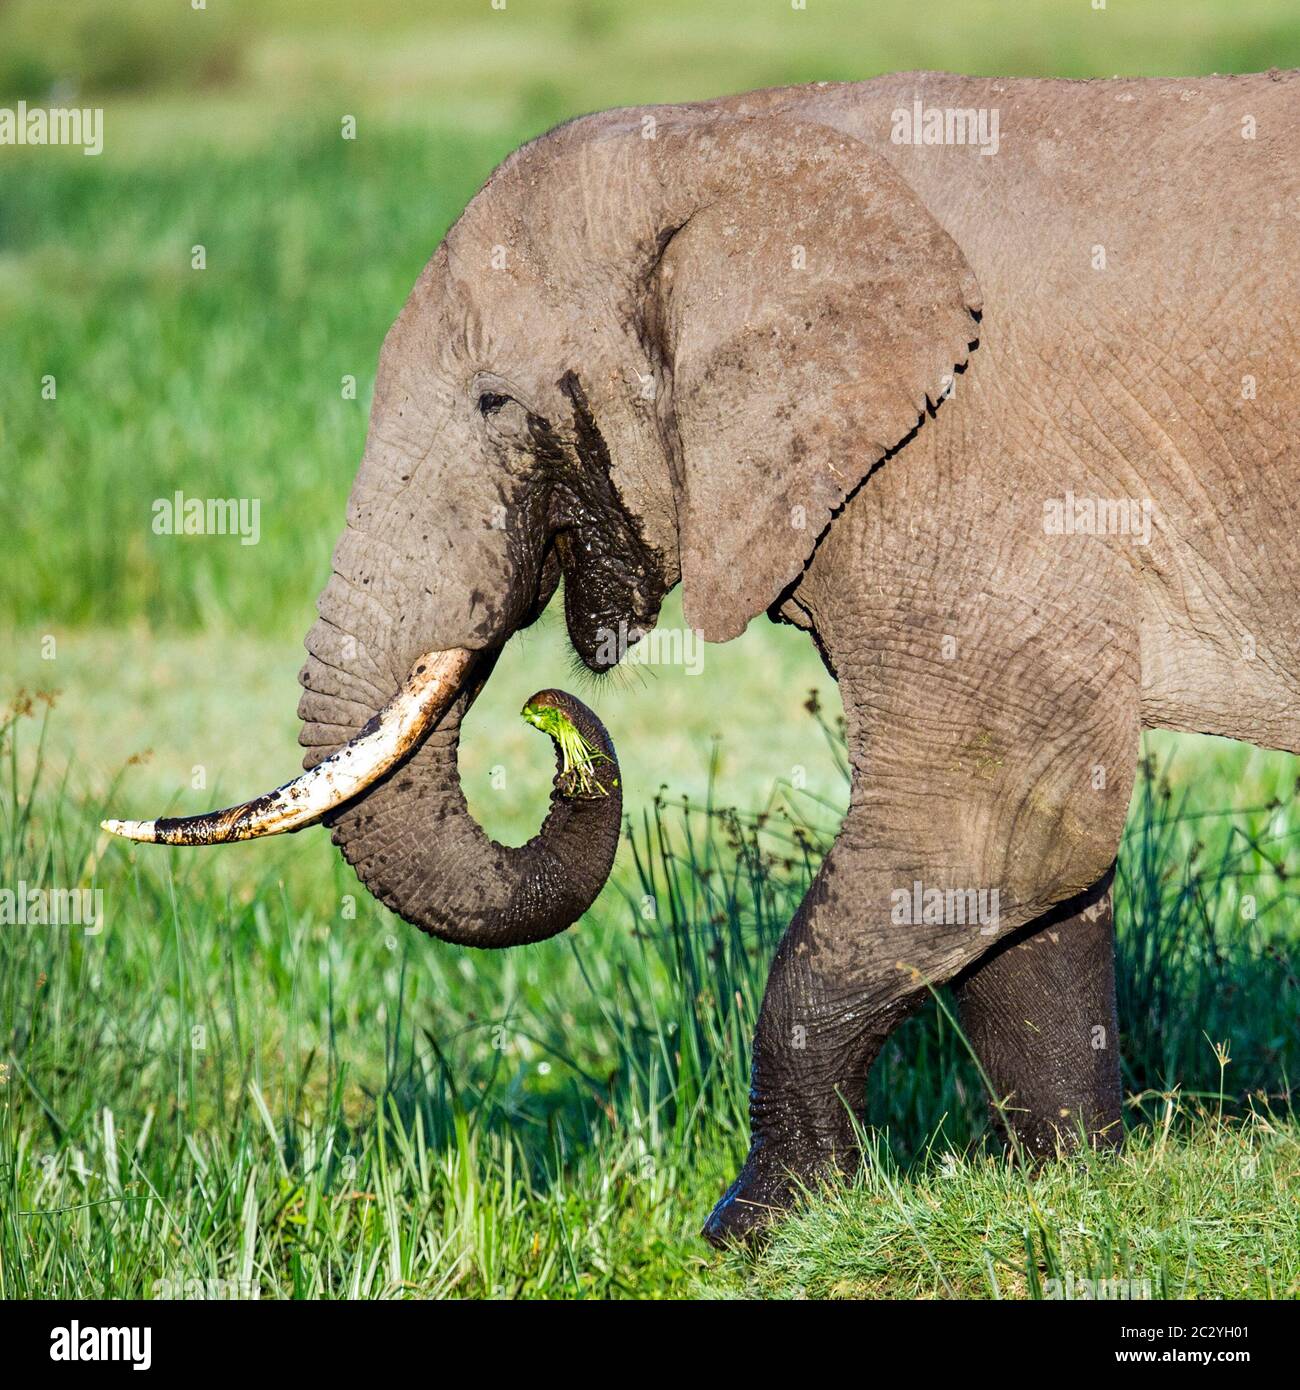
<point x="416" y="847"/>
<point x="391" y="793"/>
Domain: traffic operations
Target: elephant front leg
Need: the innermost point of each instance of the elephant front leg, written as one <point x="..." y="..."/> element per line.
<point x="1039" y="1011"/>
<point x="846" y="973"/>
<point x="987" y="790"/>
<point x="813" y="1047"/>
<point x="922" y="882"/>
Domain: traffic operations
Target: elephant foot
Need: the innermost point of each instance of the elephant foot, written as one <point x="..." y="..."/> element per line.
<point x="767" y="1188"/>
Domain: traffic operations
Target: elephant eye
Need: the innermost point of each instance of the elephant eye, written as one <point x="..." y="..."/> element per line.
<point x="490" y="402"/>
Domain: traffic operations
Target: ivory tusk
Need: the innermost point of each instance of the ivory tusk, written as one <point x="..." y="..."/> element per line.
<point x="431" y="686"/>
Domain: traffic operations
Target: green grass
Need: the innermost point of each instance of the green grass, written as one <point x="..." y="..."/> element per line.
<point x="1193" y="1208"/>
<point x="541" y="62"/>
<point x="255" y="1081"/>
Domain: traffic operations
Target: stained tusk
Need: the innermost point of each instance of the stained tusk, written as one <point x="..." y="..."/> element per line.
<point x="430" y="687"/>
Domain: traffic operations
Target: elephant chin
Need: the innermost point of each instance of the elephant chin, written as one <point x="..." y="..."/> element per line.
<point x="416" y="847"/>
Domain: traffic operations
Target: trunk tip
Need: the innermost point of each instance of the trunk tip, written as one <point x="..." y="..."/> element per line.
<point x="581" y="740"/>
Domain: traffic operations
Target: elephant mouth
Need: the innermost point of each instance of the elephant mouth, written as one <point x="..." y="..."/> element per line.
<point x="608" y="609"/>
<point x="391" y="794"/>
<point x="613" y="581"/>
<point x="430" y="688"/>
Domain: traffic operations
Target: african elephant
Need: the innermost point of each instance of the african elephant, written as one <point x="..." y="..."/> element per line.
<point x="990" y="386"/>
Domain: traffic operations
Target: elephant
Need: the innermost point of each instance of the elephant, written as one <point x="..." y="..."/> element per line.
<point x="989" y="386"/>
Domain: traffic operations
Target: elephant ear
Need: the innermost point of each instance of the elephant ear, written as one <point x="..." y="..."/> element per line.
<point x="809" y="309"/>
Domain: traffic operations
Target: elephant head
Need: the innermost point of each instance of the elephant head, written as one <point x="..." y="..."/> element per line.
<point x="659" y="345"/>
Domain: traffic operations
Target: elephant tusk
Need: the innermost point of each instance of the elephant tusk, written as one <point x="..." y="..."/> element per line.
<point x="431" y="686"/>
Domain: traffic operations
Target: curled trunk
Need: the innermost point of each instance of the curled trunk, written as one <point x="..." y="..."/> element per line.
<point x="416" y="847"/>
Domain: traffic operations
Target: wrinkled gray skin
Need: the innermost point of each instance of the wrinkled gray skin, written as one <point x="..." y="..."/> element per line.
<point x="715" y="344"/>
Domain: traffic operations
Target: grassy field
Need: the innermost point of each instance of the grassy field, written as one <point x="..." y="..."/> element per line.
<point x="255" y="1082"/>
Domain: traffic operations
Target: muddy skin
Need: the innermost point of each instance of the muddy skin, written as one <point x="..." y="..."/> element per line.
<point x="533" y="891"/>
<point x="613" y="583"/>
<point x="1039" y="1012"/>
<point x="1035" y="1007"/>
